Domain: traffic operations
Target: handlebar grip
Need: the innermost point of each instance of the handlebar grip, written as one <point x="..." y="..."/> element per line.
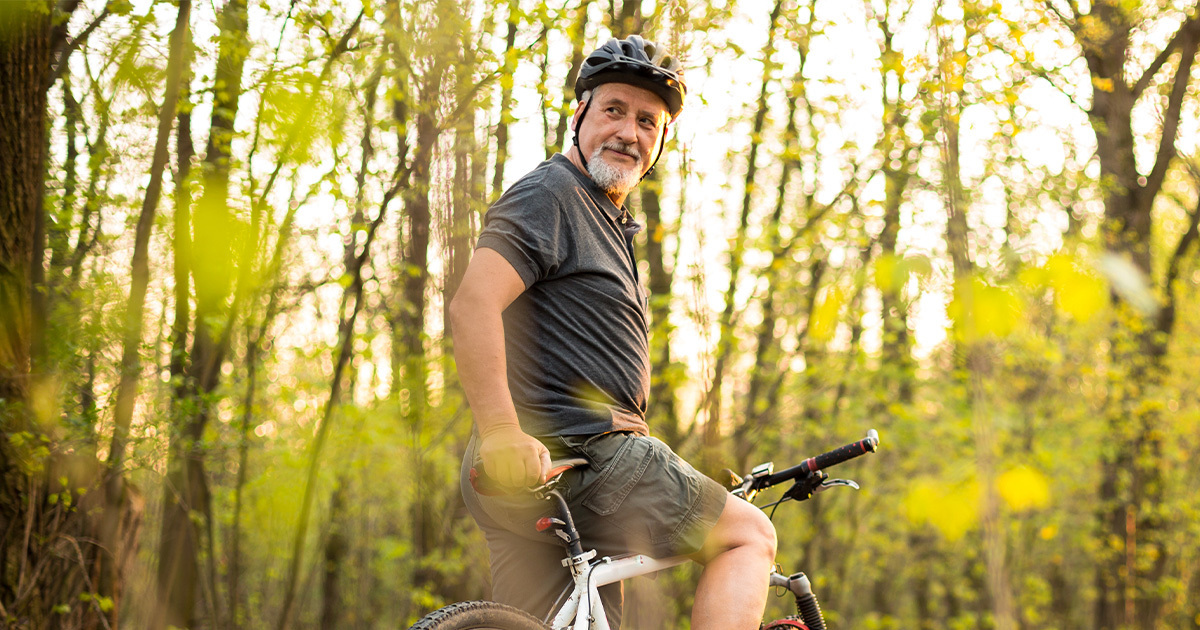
<point x="839" y="455"/>
<point x="822" y="461"/>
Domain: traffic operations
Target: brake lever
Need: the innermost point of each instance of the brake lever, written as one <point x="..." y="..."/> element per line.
<point x="834" y="483"/>
<point x="806" y="486"/>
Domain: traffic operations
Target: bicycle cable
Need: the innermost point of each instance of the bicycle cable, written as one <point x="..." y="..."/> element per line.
<point x="774" y="506"/>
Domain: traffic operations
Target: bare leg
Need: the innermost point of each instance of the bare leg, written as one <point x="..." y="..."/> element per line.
<point x="737" y="558"/>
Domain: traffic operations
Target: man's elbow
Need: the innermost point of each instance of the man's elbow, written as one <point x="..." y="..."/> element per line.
<point x="464" y="306"/>
<point x="458" y="309"/>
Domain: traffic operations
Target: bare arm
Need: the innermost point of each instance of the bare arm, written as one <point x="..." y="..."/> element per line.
<point x="509" y="455"/>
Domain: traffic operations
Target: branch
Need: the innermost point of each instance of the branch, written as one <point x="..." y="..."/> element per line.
<point x="1071" y="24"/>
<point x="1039" y="72"/>
<point x="1144" y="81"/>
<point x="467" y="99"/>
<point x="1166" y="144"/>
<point x="1166" y="317"/>
<point x="64" y="47"/>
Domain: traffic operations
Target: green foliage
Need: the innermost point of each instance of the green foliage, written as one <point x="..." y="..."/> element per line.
<point x="1003" y="394"/>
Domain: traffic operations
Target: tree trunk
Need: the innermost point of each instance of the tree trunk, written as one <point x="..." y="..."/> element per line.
<point x="25" y="47"/>
<point x="467" y="196"/>
<point x="725" y="342"/>
<point x="757" y="418"/>
<point x="662" y="412"/>
<point x="132" y="341"/>
<point x="335" y="554"/>
<point x="185" y="492"/>
<point x="1127" y="577"/>
<point x="351" y="306"/>
<point x="51" y="550"/>
<point x="900" y="157"/>
<point x="506" y="87"/>
<point x="577" y="34"/>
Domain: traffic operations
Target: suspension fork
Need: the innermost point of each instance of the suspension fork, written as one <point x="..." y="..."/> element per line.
<point x="806" y="602"/>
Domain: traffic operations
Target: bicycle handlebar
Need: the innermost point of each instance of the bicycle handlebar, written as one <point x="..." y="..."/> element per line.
<point x="821" y="462"/>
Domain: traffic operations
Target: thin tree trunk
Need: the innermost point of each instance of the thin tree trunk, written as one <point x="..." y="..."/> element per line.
<point x="577" y="34"/>
<point x="353" y="293"/>
<point x="628" y="20"/>
<point x="724" y="350"/>
<point x="759" y="405"/>
<point x="59" y="233"/>
<point x="467" y="195"/>
<point x="335" y="555"/>
<point x="140" y="277"/>
<point x="413" y="313"/>
<point x="510" y="42"/>
<point x="897" y="173"/>
<point x="662" y="412"/>
<point x="186" y="491"/>
<point x="98" y="155"/>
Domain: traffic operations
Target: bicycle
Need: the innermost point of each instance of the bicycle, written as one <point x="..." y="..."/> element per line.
<point x="583" y="609"/>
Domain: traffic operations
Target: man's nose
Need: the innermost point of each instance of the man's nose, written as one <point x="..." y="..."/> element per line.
<point x="627" y="130"/>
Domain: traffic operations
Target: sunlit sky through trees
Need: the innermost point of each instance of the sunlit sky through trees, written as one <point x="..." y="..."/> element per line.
<point x="1047" y="127"/>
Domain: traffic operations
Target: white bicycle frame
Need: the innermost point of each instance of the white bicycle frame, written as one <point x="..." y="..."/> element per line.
<point x="584" y="610"/>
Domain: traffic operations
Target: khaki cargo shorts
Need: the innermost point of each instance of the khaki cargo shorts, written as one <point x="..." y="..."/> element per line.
<point x="636" y="496"/>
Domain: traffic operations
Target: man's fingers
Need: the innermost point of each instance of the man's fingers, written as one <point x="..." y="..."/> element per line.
<point x="516" y="461"/>
<point x="544" y="461"/>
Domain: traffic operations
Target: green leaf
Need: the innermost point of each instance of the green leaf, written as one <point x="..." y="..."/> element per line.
<point x="825" y="315"/>
<point x="1077" y="293"/>
<point x="980" y="310"/>
<point x="1023" y="489"/>
<point x="951" y="508"/>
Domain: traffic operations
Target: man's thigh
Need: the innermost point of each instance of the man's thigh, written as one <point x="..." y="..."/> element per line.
<point x="638" y="496"/>
<point x="526" y="565"/>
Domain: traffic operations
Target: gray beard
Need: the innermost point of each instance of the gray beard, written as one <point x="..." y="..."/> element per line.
<point x="614" y="180"/>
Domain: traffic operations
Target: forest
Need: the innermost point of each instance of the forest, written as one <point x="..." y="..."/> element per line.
<point x="229" y="230"/>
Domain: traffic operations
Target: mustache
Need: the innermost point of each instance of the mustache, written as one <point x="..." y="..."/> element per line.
<point x="621" y="147"/>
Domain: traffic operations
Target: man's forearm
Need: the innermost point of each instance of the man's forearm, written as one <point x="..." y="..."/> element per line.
<point x="482" y="369"/>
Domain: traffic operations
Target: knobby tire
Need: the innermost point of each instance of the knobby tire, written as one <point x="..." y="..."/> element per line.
<point x="789" y="623"/>
<point x="479" y="616"/>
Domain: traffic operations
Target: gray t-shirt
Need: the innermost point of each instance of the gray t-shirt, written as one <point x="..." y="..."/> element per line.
<point x="576" y="338"/>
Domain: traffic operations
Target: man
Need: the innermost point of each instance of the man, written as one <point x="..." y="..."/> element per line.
<point x="550" y="336"/>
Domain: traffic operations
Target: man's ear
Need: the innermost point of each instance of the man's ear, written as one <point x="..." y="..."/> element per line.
<point x="575" y="117"/>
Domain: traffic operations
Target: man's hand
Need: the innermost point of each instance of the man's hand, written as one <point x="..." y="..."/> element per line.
<point x="512" y="457"/>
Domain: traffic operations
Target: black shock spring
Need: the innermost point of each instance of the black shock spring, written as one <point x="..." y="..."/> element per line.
<point x="810" y="611"/>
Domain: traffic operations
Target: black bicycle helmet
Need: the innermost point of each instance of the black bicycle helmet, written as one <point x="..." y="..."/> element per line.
<point x="638" y="62"/>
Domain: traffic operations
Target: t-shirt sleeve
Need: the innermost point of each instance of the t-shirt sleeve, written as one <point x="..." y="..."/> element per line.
<point x="525" y="226"/>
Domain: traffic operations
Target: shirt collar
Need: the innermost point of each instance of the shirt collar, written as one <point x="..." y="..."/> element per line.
<point x="615" y="213"/>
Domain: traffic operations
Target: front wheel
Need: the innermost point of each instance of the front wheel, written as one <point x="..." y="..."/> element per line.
<point x="478" y="616"/>
<point x="790" y="623"/>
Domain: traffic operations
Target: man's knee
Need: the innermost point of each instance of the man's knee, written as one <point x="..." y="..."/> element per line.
<point x="762" y="530"/>
<point x="741" y="526"/>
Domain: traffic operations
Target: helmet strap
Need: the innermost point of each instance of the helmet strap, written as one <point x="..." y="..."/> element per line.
<point x="662" y="146"/>
<point x="575" y="135"/>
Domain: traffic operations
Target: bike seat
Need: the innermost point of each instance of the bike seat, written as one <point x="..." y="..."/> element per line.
<point x="560" y="466"/>
<point x="487" y="486"/>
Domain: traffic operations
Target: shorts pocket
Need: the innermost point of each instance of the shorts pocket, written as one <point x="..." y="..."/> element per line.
<point x="629" y="463"/>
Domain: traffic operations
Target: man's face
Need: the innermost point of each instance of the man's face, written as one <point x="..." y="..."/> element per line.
<point x="620" y="134"/>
